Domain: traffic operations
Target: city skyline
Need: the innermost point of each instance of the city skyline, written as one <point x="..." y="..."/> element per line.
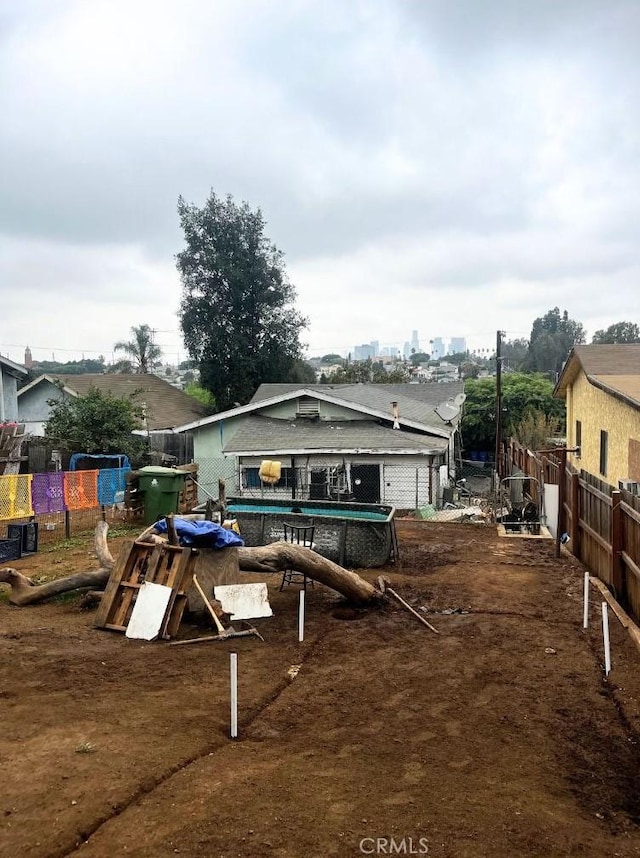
<point x="436" y="347"/>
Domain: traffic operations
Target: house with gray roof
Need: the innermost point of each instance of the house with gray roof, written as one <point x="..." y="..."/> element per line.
<point x="163" y="404"/>
<point x="368" y="443"/>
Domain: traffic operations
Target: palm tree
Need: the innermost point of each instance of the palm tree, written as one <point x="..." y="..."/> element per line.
<point x="141" y="348"/>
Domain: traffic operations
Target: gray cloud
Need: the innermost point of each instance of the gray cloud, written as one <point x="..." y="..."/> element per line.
<point x="423" y="150"/>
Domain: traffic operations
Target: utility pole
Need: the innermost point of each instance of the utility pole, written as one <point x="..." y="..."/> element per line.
<point x="499" y="336"/>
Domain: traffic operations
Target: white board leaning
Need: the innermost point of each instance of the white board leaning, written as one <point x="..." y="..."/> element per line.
<point x="244" y="601"/>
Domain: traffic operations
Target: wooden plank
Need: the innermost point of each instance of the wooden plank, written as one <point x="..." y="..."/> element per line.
<point x="154" y="571"/>
<point x="574" y="502"/>
<point x="594" y="492"/>
<point x="625" y="620"/>
<point x="630" y="512"/>
<point x="596" y="536"/>
<point x="112" y="588"/>
<point x="174" y="568"/>
<point x="631" y="565"/>
<point x="128" y="595"/>
<point x="175" y="617"/>
<point x="183" y="581"/>
<point x="617" y="568"/>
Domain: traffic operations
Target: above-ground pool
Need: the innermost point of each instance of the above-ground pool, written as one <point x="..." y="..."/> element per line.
<point x="351" y="534"/>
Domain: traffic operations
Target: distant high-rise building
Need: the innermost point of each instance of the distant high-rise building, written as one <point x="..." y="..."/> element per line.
<point x="375" y="348"/>
<point x="363" y="352"/>
<point x="458" y="345"/>
<point x="438" y="349"/>
<point x="406" y="351"/>
<point x="415" y="342"/>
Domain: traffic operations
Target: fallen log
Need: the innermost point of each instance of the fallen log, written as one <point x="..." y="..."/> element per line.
<point x="274" y="558"/>
<point x="279" y="556"/>
<point x="25" y="592"/>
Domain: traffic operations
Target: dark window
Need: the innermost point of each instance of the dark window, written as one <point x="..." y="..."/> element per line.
<point x="287" y="478"/>
<point x="604" y="439"/>
<point x="251" y="479"/>
<point x="578" y="433"/>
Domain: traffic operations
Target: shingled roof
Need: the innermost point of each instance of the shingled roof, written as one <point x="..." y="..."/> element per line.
<point x="165" y="406"/>
<point x="614" y="369"/>
<point x="267" y="435"/>
<point x="416" y="402"/>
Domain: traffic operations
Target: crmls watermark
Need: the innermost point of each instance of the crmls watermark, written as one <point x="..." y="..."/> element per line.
<point x="394" y="846"/>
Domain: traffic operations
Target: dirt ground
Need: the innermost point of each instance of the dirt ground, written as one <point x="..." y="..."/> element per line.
<point x="499" y="736"/>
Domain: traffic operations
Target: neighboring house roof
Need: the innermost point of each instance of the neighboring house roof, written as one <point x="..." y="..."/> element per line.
<point x="269" y="436"/>
<point x="165" y="405"/>
<point x="416" y="402"/>
<point x="11" y="368"/>
<point x="615" y="369"/>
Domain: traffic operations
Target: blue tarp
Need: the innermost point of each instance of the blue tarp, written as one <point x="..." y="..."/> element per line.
<point x="119" y="460"/>
<point x="202" y="534"/>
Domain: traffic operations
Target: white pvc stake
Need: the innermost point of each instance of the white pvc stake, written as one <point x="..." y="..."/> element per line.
<point x="585" y="615"/>
<point x="233" y="666"/>
<point x="605" y="635"/>
<point x="301" y="618"/>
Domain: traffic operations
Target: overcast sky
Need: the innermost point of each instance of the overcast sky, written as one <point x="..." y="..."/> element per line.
<point x="450" y="166"/>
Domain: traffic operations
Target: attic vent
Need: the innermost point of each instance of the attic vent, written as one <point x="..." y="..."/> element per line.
<point x="308" y="408"/>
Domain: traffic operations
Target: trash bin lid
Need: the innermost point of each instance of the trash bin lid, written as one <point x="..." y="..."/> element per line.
<point x="159" y="470"/>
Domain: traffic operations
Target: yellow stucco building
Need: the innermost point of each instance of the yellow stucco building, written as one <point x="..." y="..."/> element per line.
<point x="601" y="387"/>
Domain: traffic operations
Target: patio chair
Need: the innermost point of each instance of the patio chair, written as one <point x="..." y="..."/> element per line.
<point x="302" y="535"/>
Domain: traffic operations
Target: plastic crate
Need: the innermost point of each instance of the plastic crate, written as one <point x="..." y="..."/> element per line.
<point x="28" y="535"/>
<point x="10" y="549"/>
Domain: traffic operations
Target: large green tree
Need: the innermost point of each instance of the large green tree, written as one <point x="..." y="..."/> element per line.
<point x="523" y="395"/>
<point x="621" y="332"/>
<point x="515" y="354"/>
<point x="552" y="338"/>
<point x="97" y="423"/>
<point x="141" y="348"/>
<point x="237" y="312"/>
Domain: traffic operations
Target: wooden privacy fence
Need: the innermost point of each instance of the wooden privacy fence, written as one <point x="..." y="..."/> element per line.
<point x="603" y="523"/>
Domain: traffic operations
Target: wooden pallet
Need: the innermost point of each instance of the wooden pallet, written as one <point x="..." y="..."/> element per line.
<point x="140" y="562"/>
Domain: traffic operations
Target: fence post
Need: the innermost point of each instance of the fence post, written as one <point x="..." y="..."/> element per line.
<point x="562" y="482"/>
<point x="617" y="575"/>
<point x="575" y="515"/>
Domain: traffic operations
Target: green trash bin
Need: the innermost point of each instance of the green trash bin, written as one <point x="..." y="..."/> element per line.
<point x="160" y="488"/>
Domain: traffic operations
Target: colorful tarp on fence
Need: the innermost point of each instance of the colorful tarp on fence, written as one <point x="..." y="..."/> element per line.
<point x="15" y="496"/>
<point x="25" y="495"/>
<point x="47" y="492"/>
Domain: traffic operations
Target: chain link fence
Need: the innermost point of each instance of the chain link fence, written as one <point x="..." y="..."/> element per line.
<point x="427" y="492"/>
<point x="430" y="494"/>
